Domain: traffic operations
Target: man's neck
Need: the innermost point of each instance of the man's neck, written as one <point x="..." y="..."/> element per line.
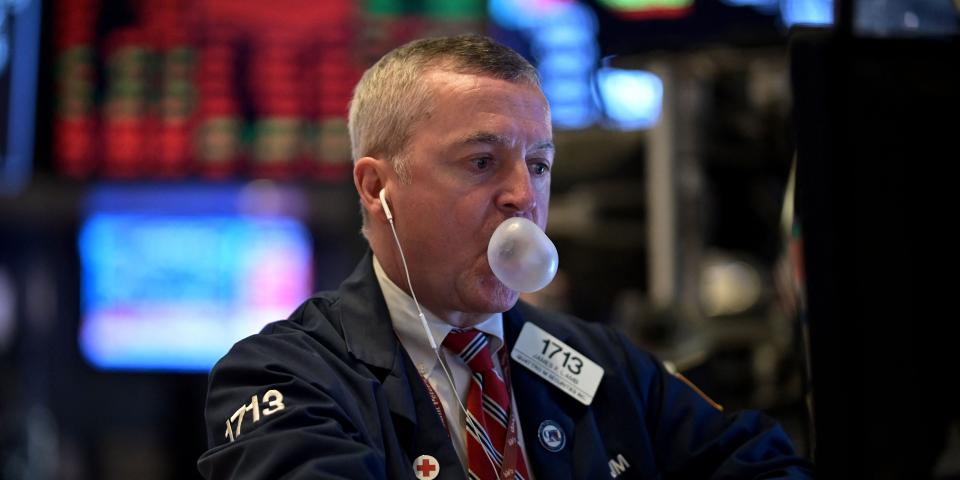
<point x="393" y="269"/>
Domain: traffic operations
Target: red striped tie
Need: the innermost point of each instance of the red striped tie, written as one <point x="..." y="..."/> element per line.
<point x="488" y="407"/>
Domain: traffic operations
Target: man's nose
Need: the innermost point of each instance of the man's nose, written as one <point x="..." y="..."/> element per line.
<point x="518" y="194"/>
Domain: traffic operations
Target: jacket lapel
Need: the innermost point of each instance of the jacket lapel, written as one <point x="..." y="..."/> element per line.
<point x="431" y="437"/>
<point x="538" y="403"/>
<point x="369" y="336"/>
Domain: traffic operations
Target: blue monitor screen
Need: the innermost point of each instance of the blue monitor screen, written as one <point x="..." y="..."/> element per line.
<point x="19" y="56"/>
<point x="167" y="291"/>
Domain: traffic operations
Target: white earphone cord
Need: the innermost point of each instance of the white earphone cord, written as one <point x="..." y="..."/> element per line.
<point x="426" y="328"/>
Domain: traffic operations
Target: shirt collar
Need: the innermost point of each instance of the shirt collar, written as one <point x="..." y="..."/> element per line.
<point x="406" y="322"/>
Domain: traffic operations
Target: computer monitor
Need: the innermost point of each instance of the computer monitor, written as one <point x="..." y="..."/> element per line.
<point x="171" y="278"/>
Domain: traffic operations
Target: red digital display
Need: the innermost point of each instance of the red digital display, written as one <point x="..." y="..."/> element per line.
<point x="219" y="88"/>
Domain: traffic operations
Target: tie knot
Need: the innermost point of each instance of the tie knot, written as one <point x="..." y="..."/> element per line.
<point x="472" y="347"/>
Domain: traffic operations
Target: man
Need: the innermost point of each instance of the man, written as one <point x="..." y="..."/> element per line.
<point x="451" y="137"/>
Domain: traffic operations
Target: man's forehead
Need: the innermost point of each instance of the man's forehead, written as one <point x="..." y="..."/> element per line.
<point x="505" y="113"/>
<point x="481" y="137"/>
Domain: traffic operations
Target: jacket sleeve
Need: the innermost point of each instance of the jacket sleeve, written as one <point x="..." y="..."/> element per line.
<point x="269" y="415"/>
<point x="694" y="438"/>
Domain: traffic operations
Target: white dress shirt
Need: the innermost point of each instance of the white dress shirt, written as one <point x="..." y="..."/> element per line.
<point x="409" y="329"/>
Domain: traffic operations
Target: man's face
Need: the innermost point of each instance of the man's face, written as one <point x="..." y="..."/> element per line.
<point x="483" y="155"/>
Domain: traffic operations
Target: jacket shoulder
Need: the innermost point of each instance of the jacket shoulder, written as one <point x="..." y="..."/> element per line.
<point x="313" y="327"/>
<point x="279" y="395"/>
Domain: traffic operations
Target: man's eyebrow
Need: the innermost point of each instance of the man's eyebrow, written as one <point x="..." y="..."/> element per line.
<point x="488" y="138"/>
<point x="484" y="138"/>
<point x="544" y="145"/>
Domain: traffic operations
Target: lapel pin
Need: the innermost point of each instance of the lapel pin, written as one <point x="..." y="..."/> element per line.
<point x="551" y="436"/>
<point x="425" y="467"/>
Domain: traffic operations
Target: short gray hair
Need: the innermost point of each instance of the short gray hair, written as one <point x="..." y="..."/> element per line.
<point x="391" y="96"/>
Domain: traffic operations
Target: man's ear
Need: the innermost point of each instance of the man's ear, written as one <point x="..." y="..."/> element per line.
<point x="370" y="176"/>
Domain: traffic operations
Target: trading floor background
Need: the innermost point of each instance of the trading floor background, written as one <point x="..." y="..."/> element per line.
<point x="747" y="188"/>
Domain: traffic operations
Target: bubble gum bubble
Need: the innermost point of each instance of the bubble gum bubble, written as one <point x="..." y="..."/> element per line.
<point x="521" y="255"/>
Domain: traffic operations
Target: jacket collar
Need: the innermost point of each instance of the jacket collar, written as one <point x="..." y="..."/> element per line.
<point x="368" y="334"/>
<point x="365" y="320"/>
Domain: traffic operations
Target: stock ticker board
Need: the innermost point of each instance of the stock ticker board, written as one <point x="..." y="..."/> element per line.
<point x="219" y="89"/>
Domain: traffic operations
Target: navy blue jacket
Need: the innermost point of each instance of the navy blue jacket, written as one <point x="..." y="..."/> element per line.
<point x="330" y="393"/>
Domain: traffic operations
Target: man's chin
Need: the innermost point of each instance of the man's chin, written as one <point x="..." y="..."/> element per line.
<point x="495" y="299"/>
<point x="506" y="299"/>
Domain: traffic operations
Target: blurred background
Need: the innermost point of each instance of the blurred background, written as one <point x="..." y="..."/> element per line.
<point x="174" y="174"/>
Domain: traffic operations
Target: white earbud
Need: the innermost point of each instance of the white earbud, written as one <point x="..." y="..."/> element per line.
<point x="383" y="203"/>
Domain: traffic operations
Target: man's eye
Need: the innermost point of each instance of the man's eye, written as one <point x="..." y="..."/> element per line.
<point x="481" y="163"/>
<point x="539" y="169"/>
